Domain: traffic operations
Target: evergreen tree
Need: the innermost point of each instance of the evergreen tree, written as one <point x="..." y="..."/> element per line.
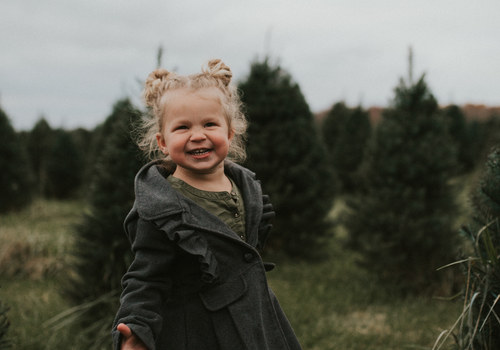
<point x="332" y="127"/>
<point x="286" y="153"/>
<point x="64" y="166"/>
<point x="481" y="330"/>
<point x="101" y="252"/>
<point x="39" y="144"/>
<point x="401" y="222"/>
<point x="491" y="136"/>
<point x="458" y="132"/>
<point x="16" y="182"/>
<point x="349" y="151"/>
<point x="83" y="140"/>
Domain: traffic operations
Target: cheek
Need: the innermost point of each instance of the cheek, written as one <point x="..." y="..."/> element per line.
<point x="224" y="141"/>
<point x="176" y="142"/>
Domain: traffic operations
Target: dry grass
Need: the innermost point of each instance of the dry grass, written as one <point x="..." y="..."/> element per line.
<point x="34" y="241"/>
<point x="33" y="250"/>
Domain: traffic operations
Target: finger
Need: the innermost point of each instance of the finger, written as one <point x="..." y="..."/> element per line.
<point x="124" y="330"/>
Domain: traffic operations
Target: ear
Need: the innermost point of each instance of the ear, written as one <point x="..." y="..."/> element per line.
<point x="161" y="143"/>
<point x="231" y="135"/>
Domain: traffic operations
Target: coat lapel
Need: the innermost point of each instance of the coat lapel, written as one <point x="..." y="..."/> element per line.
<point x="156" y="198"/>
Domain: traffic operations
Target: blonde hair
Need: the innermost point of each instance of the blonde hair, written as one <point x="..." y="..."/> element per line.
<point x="216" y="74"/>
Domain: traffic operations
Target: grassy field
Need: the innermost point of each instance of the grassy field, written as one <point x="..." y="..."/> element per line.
<point x="331" y="304"/>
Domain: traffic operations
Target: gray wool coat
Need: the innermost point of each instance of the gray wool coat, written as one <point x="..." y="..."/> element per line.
<point x="193" y="283"/>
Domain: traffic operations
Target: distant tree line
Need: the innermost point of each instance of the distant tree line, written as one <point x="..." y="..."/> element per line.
<point x="57" y="163"/>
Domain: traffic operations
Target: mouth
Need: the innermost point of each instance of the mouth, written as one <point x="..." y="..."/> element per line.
<point x="199" y="152"/>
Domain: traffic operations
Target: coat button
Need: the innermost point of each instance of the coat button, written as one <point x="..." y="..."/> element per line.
<point x="248" y="257"/>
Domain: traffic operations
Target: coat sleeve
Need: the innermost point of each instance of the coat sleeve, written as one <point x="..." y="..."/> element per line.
<point x="265" y="225"/>
<point x="146" y="282"/>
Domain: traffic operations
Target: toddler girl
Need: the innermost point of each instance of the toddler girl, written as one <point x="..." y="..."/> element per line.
<point x="197" y="227"/>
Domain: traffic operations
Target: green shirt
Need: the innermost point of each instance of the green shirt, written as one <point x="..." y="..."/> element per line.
<point x="226" y="206"/>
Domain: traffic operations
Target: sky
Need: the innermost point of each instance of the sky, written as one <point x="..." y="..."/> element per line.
<point x="69" y="61"/>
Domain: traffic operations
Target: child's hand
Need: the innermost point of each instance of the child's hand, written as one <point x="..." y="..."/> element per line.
<point x="129" y="340"/>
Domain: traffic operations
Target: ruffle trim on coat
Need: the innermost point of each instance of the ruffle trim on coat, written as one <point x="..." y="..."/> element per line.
<point x="196" y="245"/>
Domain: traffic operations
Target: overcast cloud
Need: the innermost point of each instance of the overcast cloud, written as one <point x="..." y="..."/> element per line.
<point x="71" y="60"/>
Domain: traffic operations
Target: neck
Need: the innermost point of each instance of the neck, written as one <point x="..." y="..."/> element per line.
<point x="211" y="181"/>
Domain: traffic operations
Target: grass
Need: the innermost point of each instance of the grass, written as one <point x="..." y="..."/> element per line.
<point x="331" y="304"/>
<point x="335" y="305"/>
<point x="33" y="253"/>
<point x="35" y="240"/>
<point x="32" y="303"/>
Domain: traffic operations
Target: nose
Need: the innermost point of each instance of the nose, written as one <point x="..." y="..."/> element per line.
<point x="197" y="134"/>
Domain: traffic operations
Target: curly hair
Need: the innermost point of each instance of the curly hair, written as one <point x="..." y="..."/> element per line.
<point x="215" y="74"/>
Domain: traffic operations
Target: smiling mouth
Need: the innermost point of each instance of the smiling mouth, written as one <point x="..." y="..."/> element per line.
<point x="199" y="152"/>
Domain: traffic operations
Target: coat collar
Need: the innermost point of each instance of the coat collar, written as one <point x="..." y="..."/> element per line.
<point x="156" y="198"/>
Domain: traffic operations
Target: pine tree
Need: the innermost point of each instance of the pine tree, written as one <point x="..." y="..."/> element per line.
<point x="490" y="136"/>
<point x="39" y="144"/>
<point x="458" y="132"/>
<point x="64" y="166"/>
<point x="83" y="139"/>
<point x="350" y="148"/>
<point x="481" y="330"/>
<point x="331" y="128"/>
<point x="402" y="220"/>
<point x="16" y="182"/>
<point x="285" y="151"/>
<point x="102" y="252"/>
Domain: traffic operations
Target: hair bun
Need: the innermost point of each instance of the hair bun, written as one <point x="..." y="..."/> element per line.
<point x="153" y="87"/>
<point x="219" y="70"/>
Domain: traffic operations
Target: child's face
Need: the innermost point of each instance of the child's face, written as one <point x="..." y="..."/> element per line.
<point x="195" y="132"/>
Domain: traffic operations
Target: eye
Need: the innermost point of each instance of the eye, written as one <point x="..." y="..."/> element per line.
<point x="210" y="124"/>
<point x="180" y="127"/>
